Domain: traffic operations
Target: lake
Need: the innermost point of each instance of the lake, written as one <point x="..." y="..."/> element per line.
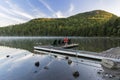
<point x="95" y="44"/>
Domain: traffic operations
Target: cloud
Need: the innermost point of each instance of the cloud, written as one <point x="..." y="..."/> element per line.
<point x="23" y="14"/>
<point x="8" y="17"/>
<point x="5" y="22"/>
<point x="15" y="9"/>
<point x="70" y="11"/>
<point x="56" y="14"/>
<point x="5" y="10"/>
<point x="59" y="14"/>
<point x="8" y="20"/>
<point x="71" y="8"/>
<point x="12" y="14"/>
<point x="37" y="13"/>
<point x="47" y="6"/>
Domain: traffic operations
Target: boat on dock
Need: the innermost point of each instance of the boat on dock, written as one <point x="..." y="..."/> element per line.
<point x="64" y="43"/>
<point x="70" y="46"/>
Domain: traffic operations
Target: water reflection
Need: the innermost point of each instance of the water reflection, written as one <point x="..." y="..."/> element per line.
<point x="95" y="44"/>
<point x="23" y="65"/>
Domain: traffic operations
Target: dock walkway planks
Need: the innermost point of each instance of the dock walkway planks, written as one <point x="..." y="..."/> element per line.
<point x="69" y="52"/>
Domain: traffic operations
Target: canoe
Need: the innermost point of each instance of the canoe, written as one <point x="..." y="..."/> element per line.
<point x="70" y="46"/>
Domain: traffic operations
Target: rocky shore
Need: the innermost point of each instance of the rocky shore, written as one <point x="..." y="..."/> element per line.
<point x="111" y="53"/>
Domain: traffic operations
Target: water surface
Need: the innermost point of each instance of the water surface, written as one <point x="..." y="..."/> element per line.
<point x="95" y="44"/>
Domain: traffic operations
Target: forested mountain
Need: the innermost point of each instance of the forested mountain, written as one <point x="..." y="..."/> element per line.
<point x="93" y="23"/>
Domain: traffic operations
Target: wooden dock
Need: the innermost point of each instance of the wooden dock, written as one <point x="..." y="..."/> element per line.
<point x="69" y="52"/>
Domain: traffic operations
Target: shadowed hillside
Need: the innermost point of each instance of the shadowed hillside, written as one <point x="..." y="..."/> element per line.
<point x="93" y="23"/>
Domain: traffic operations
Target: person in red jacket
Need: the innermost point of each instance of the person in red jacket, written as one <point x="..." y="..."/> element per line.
<point x="66" y="41"/>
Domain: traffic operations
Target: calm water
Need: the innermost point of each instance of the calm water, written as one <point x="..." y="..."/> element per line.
<point x="96" y="44"/>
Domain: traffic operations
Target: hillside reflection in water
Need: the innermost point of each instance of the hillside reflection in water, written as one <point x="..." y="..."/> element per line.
<point x="95" y="44"/>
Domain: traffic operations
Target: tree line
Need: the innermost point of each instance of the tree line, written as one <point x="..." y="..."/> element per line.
<point x="94" y="23"/>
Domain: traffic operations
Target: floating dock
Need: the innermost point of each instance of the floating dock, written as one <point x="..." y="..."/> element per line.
<point x="69" y="52"/>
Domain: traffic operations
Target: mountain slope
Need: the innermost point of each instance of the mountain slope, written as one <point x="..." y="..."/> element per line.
<point x="93" y="23"/>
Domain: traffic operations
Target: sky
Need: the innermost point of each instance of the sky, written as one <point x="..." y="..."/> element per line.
<point x="20" y="11"/>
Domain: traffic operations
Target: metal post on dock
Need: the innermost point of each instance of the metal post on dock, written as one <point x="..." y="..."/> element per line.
<point x="50" y="54"/>
<point x="76" y="57"/>
<point x="76" y="72"/>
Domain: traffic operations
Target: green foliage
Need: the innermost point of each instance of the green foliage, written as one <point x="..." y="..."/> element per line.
<point x="94" y="23"/>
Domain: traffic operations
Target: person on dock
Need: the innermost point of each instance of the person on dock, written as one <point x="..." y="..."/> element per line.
<point x="66" y="41"/>
<point x="55" y="42"/>
<point x="69" y="41"/>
